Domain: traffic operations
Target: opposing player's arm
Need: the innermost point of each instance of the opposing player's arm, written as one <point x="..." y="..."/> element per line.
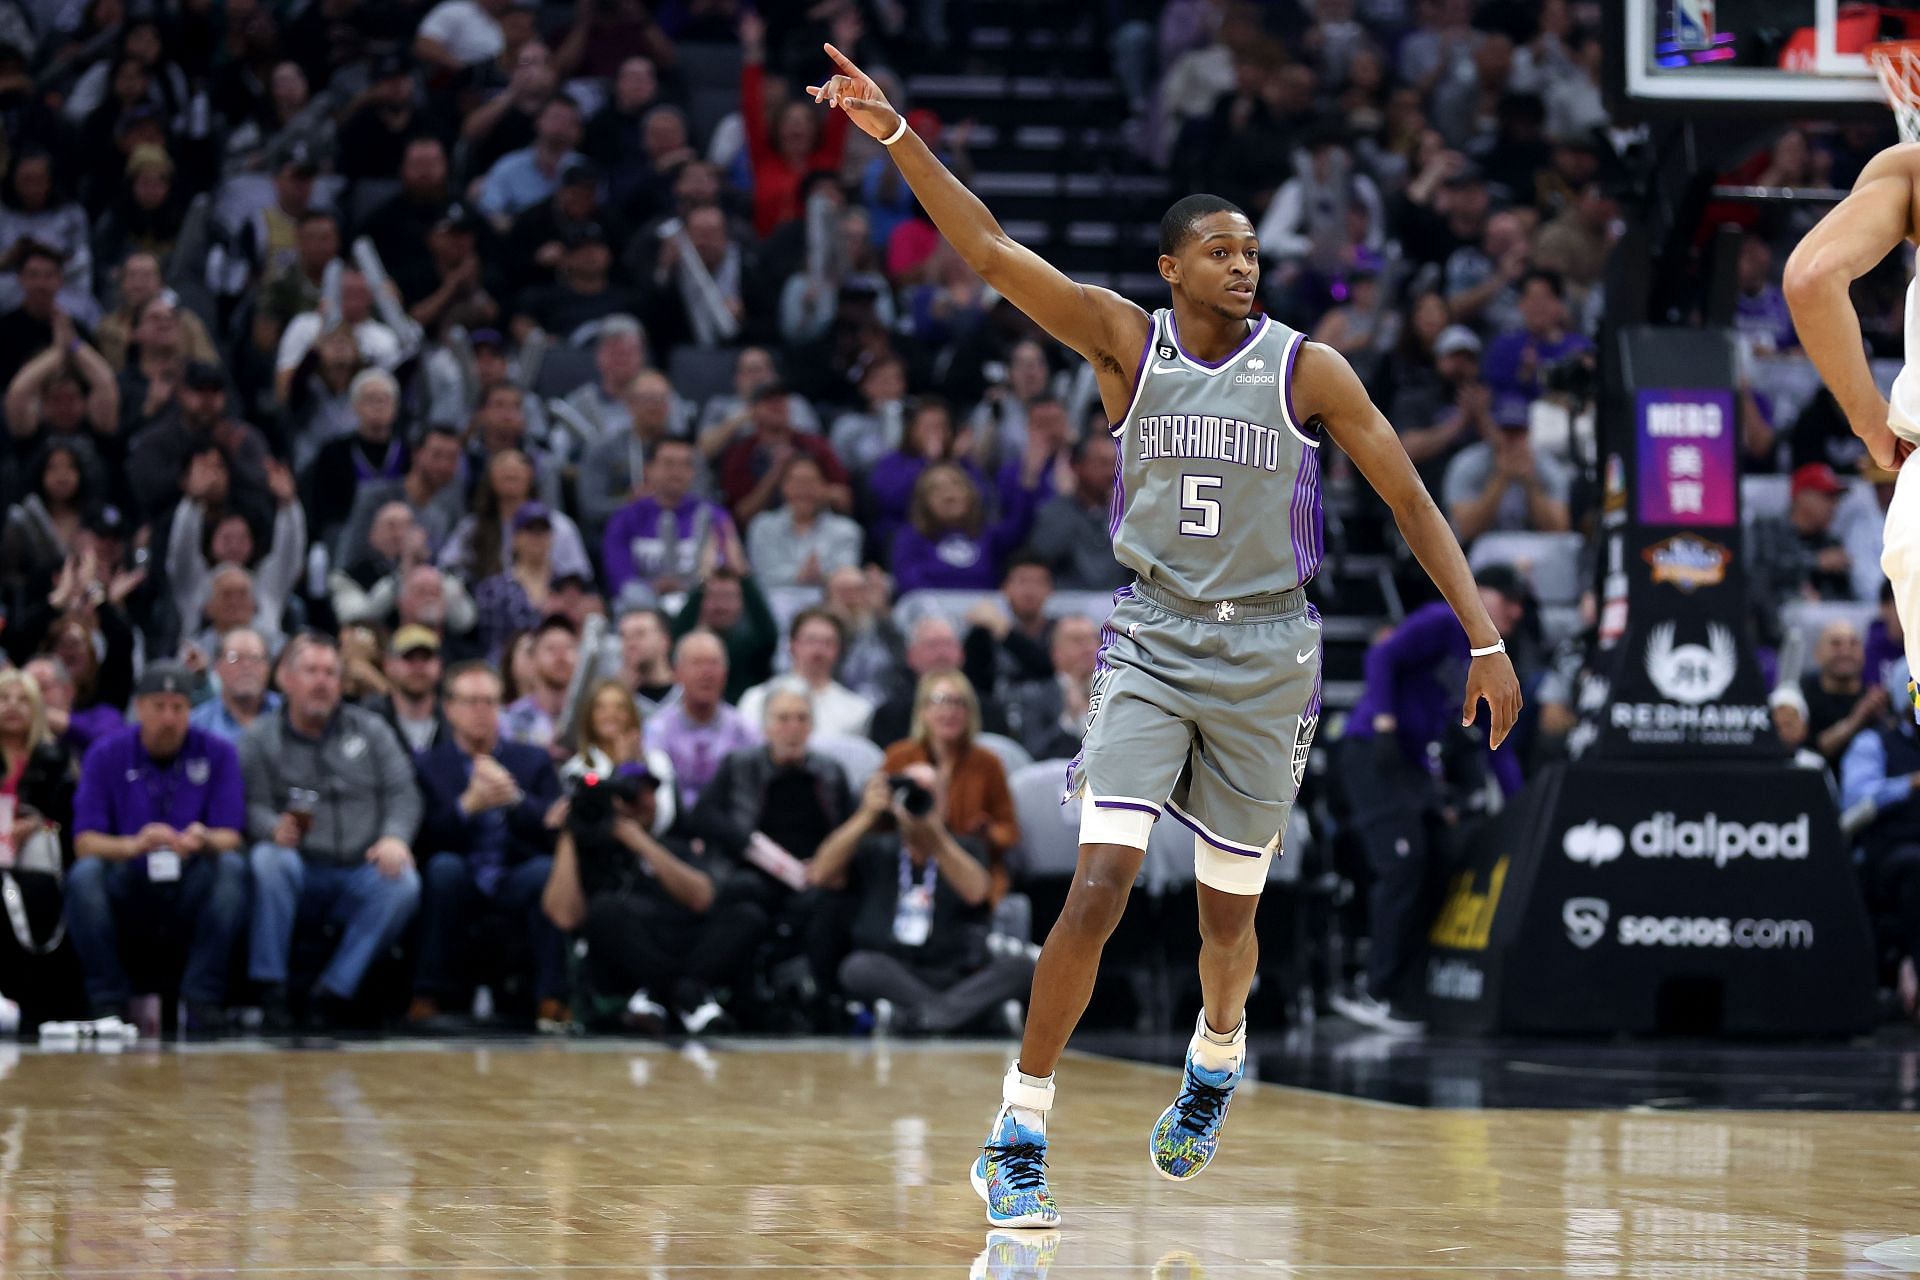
<point x="1849" y="242"/>
<point x="1096" y="322"/>
<point x="1325" y="389"/>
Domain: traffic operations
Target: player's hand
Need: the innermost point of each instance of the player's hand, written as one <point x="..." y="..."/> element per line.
<point x="855" y="92"/>
<point x="1491" y="680"/>
<point x="1887" y="449"/>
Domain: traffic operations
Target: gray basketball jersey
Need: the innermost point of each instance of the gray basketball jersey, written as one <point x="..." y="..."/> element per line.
<point x="1217" y="491"/>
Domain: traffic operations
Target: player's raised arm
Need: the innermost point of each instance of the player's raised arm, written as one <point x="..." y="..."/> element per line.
<point x="1326" y="388"/>
<point x="1098" y="323"/>
<point x="1849" y="242"/>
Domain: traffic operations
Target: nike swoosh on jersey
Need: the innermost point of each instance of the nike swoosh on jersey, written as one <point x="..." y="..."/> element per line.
<point x="1302" y="657"/>
<point x="1167" y="368"/>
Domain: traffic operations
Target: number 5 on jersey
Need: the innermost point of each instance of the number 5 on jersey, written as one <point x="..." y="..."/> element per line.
<point x="1208" y="509"/>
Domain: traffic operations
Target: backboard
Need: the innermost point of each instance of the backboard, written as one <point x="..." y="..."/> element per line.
<point x="1780" y="57"/>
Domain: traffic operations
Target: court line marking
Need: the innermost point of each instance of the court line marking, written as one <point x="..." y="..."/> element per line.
<point x="1322" y="1094"/>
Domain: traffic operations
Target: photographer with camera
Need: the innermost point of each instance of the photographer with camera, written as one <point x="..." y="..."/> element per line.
<point x="647" y="907"/>
<point x="921" y="909"/>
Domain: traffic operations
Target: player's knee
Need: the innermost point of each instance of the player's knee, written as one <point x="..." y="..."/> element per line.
<point x="1099" y="894"/>
<point x="1229" y="928"/>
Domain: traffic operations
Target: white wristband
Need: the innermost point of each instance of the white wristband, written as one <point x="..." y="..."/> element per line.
<point x="1498" y="646"/>
<point x="896" y="135"/>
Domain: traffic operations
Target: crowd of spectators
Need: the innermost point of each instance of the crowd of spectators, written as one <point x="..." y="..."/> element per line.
<point x="486" y="476"/>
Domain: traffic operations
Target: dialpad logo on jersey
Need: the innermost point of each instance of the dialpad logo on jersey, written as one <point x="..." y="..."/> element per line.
<point x="1710" y="838"/>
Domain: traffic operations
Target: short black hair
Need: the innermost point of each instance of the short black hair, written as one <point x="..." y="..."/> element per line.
<point x="1177" y="225"/>
<point x="1551" y="279"/>
<point x="1024" y="560"/>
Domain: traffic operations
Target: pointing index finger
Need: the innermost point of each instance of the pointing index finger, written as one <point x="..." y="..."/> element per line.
<point x="841" y="60"/>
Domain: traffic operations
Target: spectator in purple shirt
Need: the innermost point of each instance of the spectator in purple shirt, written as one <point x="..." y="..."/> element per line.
<point x="1515" y="360"/>
<point x="1759" y="307"/>
<point x="948" y="543"/>
<point x="698" y="730"/>
<point x="1398" y="739"/>
<point x="653" y="545"/>
<point x="929" y="439"/>
<point x="157" y="824"/>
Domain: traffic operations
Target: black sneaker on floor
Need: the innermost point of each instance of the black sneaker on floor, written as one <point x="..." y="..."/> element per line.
<point x="202" y="1021"/>
<point x="326" y="1014"/>
<point x="275" y="1018"/>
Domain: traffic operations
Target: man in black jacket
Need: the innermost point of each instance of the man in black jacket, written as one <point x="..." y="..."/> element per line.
<point x="767" y="810"/>
<point x="486" y="845"/>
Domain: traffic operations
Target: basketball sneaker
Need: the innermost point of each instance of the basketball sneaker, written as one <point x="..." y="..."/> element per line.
<point x="1913" y="696"/>
<point x="1016" y="1255"/>
<point x="1188" y="1132"/>
<point x="1010" y="1174"/>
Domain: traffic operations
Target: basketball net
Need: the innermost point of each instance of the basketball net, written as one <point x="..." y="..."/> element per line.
<point x="1898" y="63"/>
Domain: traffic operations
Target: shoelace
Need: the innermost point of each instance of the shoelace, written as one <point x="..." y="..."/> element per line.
<point x="1201" y="1104"/>
<point x="1021" y="1163"/>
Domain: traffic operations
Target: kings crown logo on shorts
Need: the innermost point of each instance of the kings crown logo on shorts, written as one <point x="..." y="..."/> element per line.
<point x="1303" y="743"/>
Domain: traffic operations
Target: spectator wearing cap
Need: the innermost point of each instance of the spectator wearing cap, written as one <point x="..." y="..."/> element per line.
<point x="519" y="597"/>
<point x="782" y="148"/>
<point x="157" y="823"/>
<point x="816" y="642"/>
<point x="539" y="237"/>
<point x="1072" y="530"/>
<point x="267" y="245"/>
<point x="1516" y="359"/>
<point x="801" y="543"/>
<point x="332" y="810"/>
<point x="1500" y="481"/>
<point x="535" y="717"/>
<point x="457" y="34"/>
<point x="752" y="468"/>
<point x="695" y="293"/>
<point x="1407" y="715"/>
<point x="619" y="356"/>
<point x="1440" y="411"/>
<point x="487" y="847"/>
<point x="1799" y="556"/>
<point x="646" y="905"/>
<point x="521" y="179"/>
<point x="381" y="123"/>
<point x="159" y="456"/>
<point x="699" y="729"/>
<point x="411" y="704"/>
<point x="656" y="544"/>
<point x="429" y="490"/>
<point x="139" y="282"/>
<point x="241" y="669"/>
<point x="584" y="290"/>
<point x="454" y="288"/>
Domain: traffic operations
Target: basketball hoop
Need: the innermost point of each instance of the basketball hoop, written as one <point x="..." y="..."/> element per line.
<point x="1898" y="63"/>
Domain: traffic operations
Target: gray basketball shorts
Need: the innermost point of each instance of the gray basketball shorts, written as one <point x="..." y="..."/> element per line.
<point x="1204" y="711"/>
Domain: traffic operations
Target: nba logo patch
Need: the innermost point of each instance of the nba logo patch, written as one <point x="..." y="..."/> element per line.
<point x="1164" y="351"/>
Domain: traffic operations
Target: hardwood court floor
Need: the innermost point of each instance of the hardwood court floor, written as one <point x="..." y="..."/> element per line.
<point x="848" y="1160"/>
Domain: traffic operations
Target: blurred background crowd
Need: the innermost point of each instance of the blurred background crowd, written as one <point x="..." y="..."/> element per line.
<point x="512" y="510"/>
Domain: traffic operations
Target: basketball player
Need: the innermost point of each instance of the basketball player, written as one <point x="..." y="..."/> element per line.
<point x="1880" y="214"/>
<point x="1208" y="687"/>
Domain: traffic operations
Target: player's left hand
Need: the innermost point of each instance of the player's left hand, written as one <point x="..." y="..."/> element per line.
<point x="1887" y="450"/>
<point x="1491" y="680"/>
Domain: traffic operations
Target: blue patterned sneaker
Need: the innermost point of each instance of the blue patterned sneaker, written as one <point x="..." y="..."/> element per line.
<point x="1188" y="1132"/>
<point x="1016" y="1255"/>
<point x="1913" y="696"/>
<point x="1010" y="1174"/>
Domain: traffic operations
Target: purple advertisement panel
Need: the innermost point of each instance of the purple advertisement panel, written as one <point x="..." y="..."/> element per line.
<point x="1689" y="474"/>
